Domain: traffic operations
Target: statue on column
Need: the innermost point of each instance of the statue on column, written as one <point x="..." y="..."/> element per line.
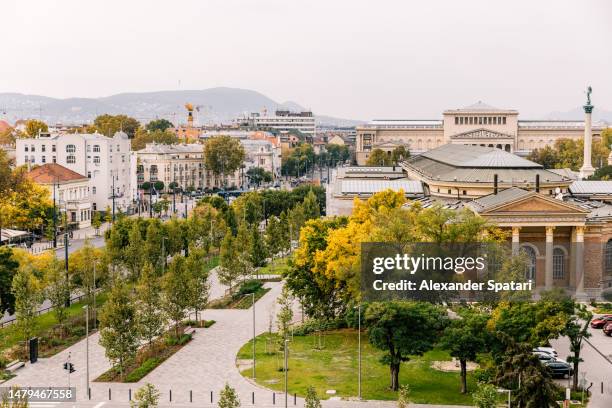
<point x="589" y="91"/>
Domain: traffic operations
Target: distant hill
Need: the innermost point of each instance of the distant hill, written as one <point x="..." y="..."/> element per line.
<point x="578" y="114"/>
<point x="213" y="105"/>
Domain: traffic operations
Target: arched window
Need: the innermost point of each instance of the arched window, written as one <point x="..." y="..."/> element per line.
<point x="558" y="263"/>
<point x="609" y="257"/>
<point x="530" y="271"/>
<point x="70" y="148"/>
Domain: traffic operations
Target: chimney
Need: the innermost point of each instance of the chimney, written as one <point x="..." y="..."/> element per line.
<point x="537" y="183"/>
<point x="495" y="184"/>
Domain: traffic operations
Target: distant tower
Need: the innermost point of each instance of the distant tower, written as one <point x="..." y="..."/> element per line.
<point x="189" y="108"/>
<point x="587" y="169"/>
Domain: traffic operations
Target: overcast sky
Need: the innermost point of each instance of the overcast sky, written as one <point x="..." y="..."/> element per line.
<point x="353" y="59"/>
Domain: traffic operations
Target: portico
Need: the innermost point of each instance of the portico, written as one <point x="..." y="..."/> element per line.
<point x="548" y="231"/>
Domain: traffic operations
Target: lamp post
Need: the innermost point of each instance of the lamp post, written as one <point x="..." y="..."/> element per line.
<point x="86" y="307"/>
<point x="359" y="351"/>
<point x="286" y="370"/>
<point x="253" y="306"/>
<point x="164" y="255"/>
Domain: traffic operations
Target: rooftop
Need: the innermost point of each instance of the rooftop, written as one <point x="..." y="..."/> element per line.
<point x="53" y="173"/>
<point x="591" y="187"/>
<point x="477" y="156"/>
<point x="481" y="107"/>
<point x="159" y="148"/>
<point x="369" y="187"/>
<point x="493" y="200"/>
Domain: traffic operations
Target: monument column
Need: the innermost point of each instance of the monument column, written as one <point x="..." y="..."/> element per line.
<point x="515" y="240"/>
<point x="587" y="168"/>
<point x="580" y="263"/>
<point x="548" y="277"/>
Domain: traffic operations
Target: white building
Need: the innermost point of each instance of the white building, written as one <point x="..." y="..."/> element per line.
<point x="104" y="160"/>
<point x="284" y="120"/>
<point x="179" y="163"/>
<point x="70" y="189"/>
<point x="262" y="153"/>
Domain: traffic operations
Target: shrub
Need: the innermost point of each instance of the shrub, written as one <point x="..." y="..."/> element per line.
<point x="403" y="397"/>
<point x="250" y="286"/>
<point x="143" y="370"/>
<point x="314" y="325"/>
<point x="173" y="341"/>
<point x="485" y="396"/>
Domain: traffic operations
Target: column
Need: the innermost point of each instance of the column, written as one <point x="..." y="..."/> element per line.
<point x="515" y="240"/>
<point x="573" y="261"/>
<point x="548" y="277"/>
<point x="587" y="168"/>
<point x="580" y="262"/>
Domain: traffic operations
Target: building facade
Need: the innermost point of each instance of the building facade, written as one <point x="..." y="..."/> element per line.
<point x="182" y="164"/>
<point x="105" y="161"/>
<point x="477" y="125"/>
<point x="70" y="189"/>
<point x="284" y="121"/>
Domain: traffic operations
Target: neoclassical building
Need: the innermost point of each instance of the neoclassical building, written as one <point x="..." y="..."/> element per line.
<point x="477" y="125"/>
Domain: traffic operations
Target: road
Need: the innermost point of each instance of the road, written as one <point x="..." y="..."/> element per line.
<point x="598" y="370"/>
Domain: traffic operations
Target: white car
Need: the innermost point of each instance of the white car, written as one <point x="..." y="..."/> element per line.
<point x="548" y="350"/>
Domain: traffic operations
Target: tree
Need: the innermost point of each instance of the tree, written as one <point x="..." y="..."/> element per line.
<point x="223" y="155"/>
<point x="228" y="271"/>
<point x="118" y="327"/>
<point x="258" y="175"/>
<point x="311" y="206"/>
<point x="274" y="237"/>
<point x="159" y="124"/>
<point x="378" y="158"/>
<point x="158" y="185"/>
<point x="337" y="153"/>
<point x="8" y="269"/>
<point x="568" y="153"/>
<point x="96" y="222"/>
<point x="134" y="254"/>
<point x="85" y="264"/>
<point x="57" y="289"/>
<point x="312" y="400"/>
<point x="143" y="137"/>
<point x="465" y="338"/>
<point x="108" y="125"/>
<point x="576" y="330"/>
<point x="108" y="215"/>
<point x="153" y="245"/>
<point x="285" y="312"/>
<point x="27" y="292"/>
<point x="546" y="156"/>
<point x="150" y="318"/>
<point x="403" y="329"/>
<point x="258" y="251"/>
<point x="146" y="396"/>
<point x="228" y="398"/>
<point x="602" y="173"/>
<point x="34" y="127"/>
<point x="199" y="288"/>
<point x="175" y="286"/>
<point x="485" y="396"/>
<point x="400" y="153"/>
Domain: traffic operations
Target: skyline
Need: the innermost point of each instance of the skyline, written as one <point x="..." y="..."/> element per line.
<point x="344" y="60"/>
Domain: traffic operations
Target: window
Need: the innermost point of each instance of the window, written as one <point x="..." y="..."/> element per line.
<point x="93" y="190"/>
<point x="26" y="158"/>
<point x="54" y="159"/>
<point x="89" y="174"/>
<point x="96" y="148"/>
<point x="71" y="159"/>
<point x="609" y="257"/>
<point x="43" y="148"/>
<point x="25" y="148"/>
<point x="33" y="159"/>
<point x="504" y="120"/>
<point x="53" y="148"/>
<point x="118" y="149"/>
<point x="44" y="159"/>
<point x="558" y="263"/>
<point x="530" y="271"/>
<point x="96" y="160"/>
<point x="456" y="120"/>
<point x="70" y="148"/>
<point x="94" y="207"/>
<point x="464" y="192"/>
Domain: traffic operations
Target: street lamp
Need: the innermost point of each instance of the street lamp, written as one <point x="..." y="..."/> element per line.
<point x="253" y="306"/>
<point x="86" y="307"/>
<point x="359" y="351"/>
<point x="286" y="371"/>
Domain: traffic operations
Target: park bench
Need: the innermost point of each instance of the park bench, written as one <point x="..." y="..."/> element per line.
<point x="14" y="366"/>
<point x="190" y="331"/>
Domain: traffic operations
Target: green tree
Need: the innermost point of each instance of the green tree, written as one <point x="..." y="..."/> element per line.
<point x="399" y="154"/>
<point x="146" y="396"/>
<point x="153" y="244"/>
<point x="108" y="125"/>
<point x="337" y="153"/>
<point x="175" y="286"/>
<point x="8" y="269"/>
<point x="379" y="158"/>
<point x="223" y="155"/>
<point x="159" y="124"/>
<point x="108" y="214"/>
<point x="28" y="296"/>
<point x="546" y="156"/>
<point x="57" y="289"/>
<point x="403" y="329"/>
<point x="228" y="398"/>
<point x="150" y="318"/>
<point x="274" y="237"/>
<point x="311" y="206"/>
<point x="199" y="288"/>
<point x="285" y="313"/>
<point x="144" y="137"/>
<point x="465" y="338"/>
<point x="312" y="400"/>
<point x="576" y="330"/>
<point x="86" y="263"/>
<point x="602" y="173"/>
<point x="485" y="396"/>
<point x="134" y="254"/>
<point x="228" y="271"/>
<point x="258" y="249"/>
<point x="258" y="175"/>
<point x="118" y="327"/>
<point x="34" y="127"/>
<point x="96" y="222"/>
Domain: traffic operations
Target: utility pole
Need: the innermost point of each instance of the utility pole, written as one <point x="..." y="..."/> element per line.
<point x="253" y="303"/>
<point x="54" y="217"/>
<point x="66" y="254"/>
<point x="286" y="370"/>
<point x="86" y="307"/>
<point x="150" y="200"/>
<point x="113" y="197"/>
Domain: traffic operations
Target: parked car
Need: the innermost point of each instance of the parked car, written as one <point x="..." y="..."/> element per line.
<point x="560" y="368"/>
<point x="600" y="322"/>
<point x="548" y="350"/>
<point x="608" y="329"/>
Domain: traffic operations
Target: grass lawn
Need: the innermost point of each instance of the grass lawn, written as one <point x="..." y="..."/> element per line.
<point x="44" y="328"/>
<point x="335" y="365"/>
<point x="278" y="267"/>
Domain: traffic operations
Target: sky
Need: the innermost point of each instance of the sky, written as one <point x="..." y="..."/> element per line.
<point x="352" y="59"/>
